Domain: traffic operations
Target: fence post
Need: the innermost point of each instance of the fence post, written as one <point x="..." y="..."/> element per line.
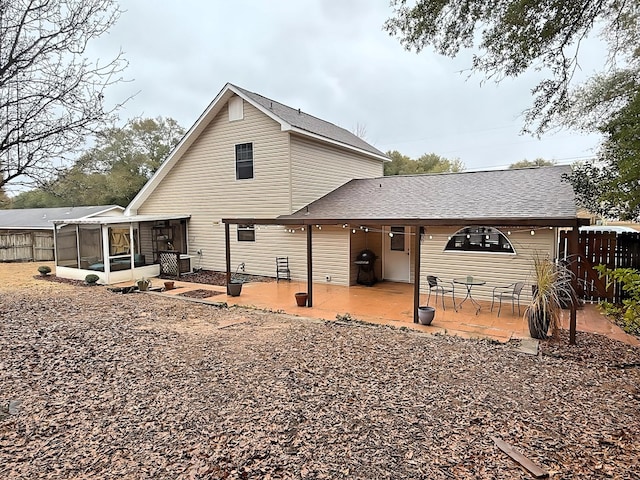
<point x="572" y="248"/>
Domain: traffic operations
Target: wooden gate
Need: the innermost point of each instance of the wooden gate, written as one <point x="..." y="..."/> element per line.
<point x="602" y="248"/>
<point x="594" y="248"/>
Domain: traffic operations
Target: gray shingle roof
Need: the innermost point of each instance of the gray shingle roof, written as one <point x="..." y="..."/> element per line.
<point x="507" y="194"/>
<point x="41" y="218"/>
<point x="309" y="123"/>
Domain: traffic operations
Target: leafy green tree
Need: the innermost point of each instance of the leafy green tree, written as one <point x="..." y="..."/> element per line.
<point x="51" y="94"/>
<point x="512" y="36"/>
<point x="427" y="163"/>
<point x="112" y="172"/>
<point x="538" y="162"/>
<point x="609" y="185"/>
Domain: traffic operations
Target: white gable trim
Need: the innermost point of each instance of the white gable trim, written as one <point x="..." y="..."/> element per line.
<point x="227" y="92"/>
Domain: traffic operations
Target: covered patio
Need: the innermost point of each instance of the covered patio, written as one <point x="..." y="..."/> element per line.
<point x="489" y="205"/>
<point x="389" y="303"/>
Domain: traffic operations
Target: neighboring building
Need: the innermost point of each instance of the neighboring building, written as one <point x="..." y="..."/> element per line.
<point x="27" y="234"/>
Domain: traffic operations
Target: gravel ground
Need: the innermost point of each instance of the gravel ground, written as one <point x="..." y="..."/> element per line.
<point x="103" y="385"/>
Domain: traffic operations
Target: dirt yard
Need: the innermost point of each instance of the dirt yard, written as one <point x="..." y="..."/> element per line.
<point x="96" y="384"/>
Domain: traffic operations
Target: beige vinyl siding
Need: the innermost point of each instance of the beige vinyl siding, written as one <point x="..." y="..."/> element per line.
<point x="330" y="253"/>
<point x="497" y="269"/>
<point x="317" y="169"/>
<point x="203" y="184"/>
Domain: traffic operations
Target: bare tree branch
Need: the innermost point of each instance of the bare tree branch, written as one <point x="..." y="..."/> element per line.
<point x="51" y="95"/>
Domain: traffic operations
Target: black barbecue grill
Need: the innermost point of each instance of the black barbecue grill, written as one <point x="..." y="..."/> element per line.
<point x="365" y="261"/>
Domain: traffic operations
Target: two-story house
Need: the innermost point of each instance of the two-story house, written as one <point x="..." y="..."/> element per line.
<point x="247" y="156"/>
<point x="254" y="179"/>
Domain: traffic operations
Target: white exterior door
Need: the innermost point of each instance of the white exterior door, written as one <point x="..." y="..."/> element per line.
<point x="397" y="256"/>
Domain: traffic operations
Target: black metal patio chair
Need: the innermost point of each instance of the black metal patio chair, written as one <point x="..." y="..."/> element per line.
<point x="441" y="287"/>
<point x="510" y="292"/>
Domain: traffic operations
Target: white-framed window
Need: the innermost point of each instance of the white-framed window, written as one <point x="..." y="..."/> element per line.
<point x="244" y="161"/>
<point x="479" y="239"/>
<point x="246" y="233"/>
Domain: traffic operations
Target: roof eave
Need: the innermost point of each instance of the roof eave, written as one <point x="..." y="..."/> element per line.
<point x="330" y="141"/>
<point x="497" y="221"/>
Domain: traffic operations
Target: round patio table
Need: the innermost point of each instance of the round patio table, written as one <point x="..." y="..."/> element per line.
<point x="469" y="282"/>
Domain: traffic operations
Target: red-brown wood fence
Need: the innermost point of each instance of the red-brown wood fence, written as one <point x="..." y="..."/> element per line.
<point x="602" y="248"/>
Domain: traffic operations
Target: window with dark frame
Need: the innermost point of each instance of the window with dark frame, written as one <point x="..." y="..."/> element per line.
<point x="244" y="161"/>
<point x="479" y="239"/>
<point x="397" y="240"/>
<point x="246" y="233"/>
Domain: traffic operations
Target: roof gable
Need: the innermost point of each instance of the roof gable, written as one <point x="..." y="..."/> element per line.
<point x="292" y="120"/>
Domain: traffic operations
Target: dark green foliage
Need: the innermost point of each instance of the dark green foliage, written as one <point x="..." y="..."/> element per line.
<point x="114" y="171"/>
<point x="538" y="162"/>
<point x="91" y="279"/>
<point x="610" y="185"/>
<point x="626" y="315"/>
<point x="427" y="163"/>
<point x="513" y="36"/>
<point x="44" y="270"/>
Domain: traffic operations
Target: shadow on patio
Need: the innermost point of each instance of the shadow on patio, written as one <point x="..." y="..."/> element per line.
<point x="388" y="303"/>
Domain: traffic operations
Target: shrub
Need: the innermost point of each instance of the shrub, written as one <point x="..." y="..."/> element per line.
<point x="626" y="315"/>
<point x="91" y="279"/>
<point x="44" y="270"/>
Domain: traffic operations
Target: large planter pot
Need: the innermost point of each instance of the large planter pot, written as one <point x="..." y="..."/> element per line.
<point x="301" y="298"/>
<point x="234" y="289"/>
<point x="538" y="325"/>
<point x="426" y="315"/>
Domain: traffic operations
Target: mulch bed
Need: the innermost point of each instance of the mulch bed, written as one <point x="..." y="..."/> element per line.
<point x="199" y="293"/>
<point x="67" y="281"/>
<point x="140" y="386"/>
<point x="211" y="277"/>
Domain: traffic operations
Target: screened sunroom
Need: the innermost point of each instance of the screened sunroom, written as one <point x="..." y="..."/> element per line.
<point x="120" y="248"/>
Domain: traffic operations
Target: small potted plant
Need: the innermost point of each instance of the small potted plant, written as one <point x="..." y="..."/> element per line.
<point x="552" y="289"/>
<point x="44" y="270"/>
<point x="143" y="284"/>
<point x="234" y="287"/>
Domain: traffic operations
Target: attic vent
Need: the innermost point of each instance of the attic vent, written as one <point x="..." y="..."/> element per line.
<point x="236" y="109"/>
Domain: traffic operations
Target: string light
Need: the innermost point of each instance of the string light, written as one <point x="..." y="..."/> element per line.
<point x="353" y="231"/>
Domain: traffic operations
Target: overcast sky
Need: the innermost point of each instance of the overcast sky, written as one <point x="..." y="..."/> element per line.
<point x="332" y="59"/>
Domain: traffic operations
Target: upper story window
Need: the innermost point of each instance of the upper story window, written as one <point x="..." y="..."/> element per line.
<point x="479" y="239"/>
<point x="246" y="233"/>
<point x="244" y="161"/>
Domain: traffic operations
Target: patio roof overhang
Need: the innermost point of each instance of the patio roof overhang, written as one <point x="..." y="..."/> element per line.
<point x="494" y="221"/>
<point x="120" y="219"/>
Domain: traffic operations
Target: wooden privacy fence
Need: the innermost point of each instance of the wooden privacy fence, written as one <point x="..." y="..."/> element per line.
<point x="26" y="246"/>
<point x="602" y="248"/>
